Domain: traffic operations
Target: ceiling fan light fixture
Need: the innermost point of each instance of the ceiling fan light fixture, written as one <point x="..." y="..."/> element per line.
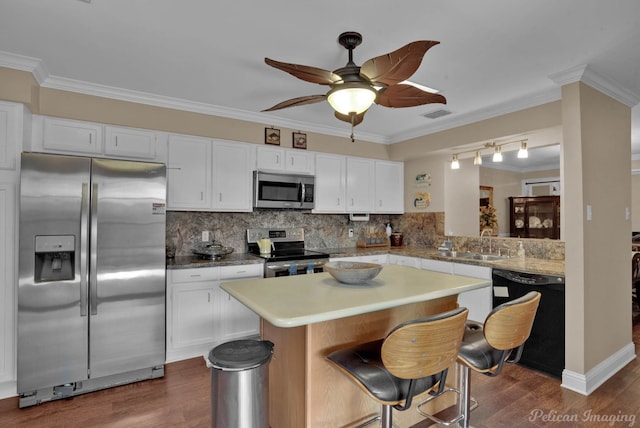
<point x="351" y="98"/>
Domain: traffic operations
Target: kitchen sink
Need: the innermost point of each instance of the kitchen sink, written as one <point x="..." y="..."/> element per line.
<point x="472" y="256"/>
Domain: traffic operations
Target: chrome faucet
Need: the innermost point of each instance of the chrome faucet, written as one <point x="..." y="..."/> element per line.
<point x="482" y="239"/>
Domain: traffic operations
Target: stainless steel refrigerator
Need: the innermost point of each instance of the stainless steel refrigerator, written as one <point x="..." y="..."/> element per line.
<point x="91" y="292"/>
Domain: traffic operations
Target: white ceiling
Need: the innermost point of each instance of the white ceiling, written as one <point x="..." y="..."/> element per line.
<point x="495" y="56"/>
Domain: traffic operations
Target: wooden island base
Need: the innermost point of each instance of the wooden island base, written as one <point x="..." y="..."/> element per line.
<point x="307" y="391"/>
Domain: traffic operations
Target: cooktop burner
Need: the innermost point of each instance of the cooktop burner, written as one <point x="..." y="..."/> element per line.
<point x="287" y="255"/>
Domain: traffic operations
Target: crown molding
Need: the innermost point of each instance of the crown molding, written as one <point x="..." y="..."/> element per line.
<point x="111" y="92"/>
<point x="604" y="84"/>
<point x="24" y="63"/>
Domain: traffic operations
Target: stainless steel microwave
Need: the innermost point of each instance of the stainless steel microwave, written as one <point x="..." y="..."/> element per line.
<point x="282" y="190"/>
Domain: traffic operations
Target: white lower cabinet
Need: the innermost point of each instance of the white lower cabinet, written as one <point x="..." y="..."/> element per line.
<point x="236" y="320"/>
<point x="381" y="259"/>
<point x="436" y="265"/>
<point x="479" y="301"/>
<point x="200" y="315"/>
<point x="395" y="259"/>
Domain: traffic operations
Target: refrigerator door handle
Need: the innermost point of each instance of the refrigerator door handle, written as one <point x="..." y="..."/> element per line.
<point x="84" y="233"/>
<point x="93" y="267"/>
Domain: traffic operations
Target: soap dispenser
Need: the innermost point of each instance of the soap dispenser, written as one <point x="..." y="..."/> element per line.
<point x="520" y="250"/>
<point x="388" y="230"/>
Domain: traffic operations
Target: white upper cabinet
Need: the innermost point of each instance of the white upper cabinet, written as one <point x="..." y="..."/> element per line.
<point x="284" y="160"/>
<point x="76" y="137"/>
<point x="360" y="182"/>
<point x="232" y="176"/>
<point x="189" y="173"/>
<point x="209" y="175"/>
<point x="14" y="127"/>
<point x="72" y="136"/>
<point x="130" y="143"/>
<point x="300" y="161"/>
<point x="331" y="181"/>
<point x="389" y="187"/>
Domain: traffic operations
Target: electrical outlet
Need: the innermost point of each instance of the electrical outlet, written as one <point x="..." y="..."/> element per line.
<point x="372" y="229"/>
<point x="350" y="233"/>
<point x="205" y="236"/>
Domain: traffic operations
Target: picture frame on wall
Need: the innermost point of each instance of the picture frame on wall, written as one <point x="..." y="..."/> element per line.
<point x="299" y="140"/>
<point x="272" y="136"/>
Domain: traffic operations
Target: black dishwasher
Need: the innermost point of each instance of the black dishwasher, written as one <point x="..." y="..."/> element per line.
<point x="544" y="350"/>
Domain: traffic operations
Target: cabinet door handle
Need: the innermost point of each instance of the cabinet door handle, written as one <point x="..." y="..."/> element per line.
<point x="208" y="297"/>
<point x="116" y="141"/>
<point x="338" y="204"/>
<point x="90" y="138"/>
<point x="202" y="196"/>
<point x="220" y="196"/>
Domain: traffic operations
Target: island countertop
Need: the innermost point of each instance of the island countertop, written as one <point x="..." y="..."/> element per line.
<point x="293" y="301"/>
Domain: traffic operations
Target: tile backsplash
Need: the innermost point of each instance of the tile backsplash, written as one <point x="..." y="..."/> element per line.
<point x="321" y="230"/>
<point x="423" y="230"/>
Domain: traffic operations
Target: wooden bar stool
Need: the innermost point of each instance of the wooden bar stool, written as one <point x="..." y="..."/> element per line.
<point x="486" y="348"/>
<point x="413" y="358"/>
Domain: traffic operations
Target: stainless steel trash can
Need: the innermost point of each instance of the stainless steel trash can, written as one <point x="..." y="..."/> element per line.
<point x="240" y="384"/>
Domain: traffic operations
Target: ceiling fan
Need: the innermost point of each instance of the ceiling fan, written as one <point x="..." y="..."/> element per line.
<point x="353" y="89"/>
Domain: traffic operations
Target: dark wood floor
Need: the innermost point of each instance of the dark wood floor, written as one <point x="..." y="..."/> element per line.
<point x="517" y="398"/>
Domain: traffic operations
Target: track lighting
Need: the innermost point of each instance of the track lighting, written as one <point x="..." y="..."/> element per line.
<point x="523" y="153"/>
<point x="477" y="160"/>
<point x="497" y="154"/>
<point x="454" y="162"/>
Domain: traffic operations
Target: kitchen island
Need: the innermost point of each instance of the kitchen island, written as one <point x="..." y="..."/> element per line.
<point x="309" y="316"/>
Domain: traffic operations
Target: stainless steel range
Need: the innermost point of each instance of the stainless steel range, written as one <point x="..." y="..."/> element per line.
<point x="288" y="255"/>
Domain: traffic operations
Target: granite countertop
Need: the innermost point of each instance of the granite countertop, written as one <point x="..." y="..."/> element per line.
<point x="292" y="301"/>
<point x="188" y="262"/>
<point x="529" y="264"/>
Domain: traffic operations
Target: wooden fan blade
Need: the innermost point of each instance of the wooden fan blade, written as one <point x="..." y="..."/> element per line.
<point x="407" y="96"/>
<point x="299" y="101"/>
<point x="397" y="66"/>
<point x="347" y="118"/>
<point x="305" y="72"/>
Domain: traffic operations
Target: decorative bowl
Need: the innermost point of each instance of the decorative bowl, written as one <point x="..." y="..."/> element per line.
<point x="352" y="272"/>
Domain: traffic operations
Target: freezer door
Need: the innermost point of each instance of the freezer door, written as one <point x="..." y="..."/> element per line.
<point x="52" y="293"/>
<point x="127" y="292"/>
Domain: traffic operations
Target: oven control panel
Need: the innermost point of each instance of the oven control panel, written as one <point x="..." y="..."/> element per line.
<point x="285" y="234"/>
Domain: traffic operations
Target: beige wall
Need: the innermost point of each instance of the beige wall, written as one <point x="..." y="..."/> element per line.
<point x="596" y="156"/>
<point x="461" y="199"/>
<point x="435" y="168"/>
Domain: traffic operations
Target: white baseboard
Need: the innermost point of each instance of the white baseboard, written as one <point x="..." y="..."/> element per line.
<point x="585" y="384"/>
<point x="8" y="389"/>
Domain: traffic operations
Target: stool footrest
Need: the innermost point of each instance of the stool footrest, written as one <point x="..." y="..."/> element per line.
<point x="436" y="419"/>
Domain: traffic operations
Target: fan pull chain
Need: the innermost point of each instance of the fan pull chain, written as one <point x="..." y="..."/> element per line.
<point x="353" y="125"/>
